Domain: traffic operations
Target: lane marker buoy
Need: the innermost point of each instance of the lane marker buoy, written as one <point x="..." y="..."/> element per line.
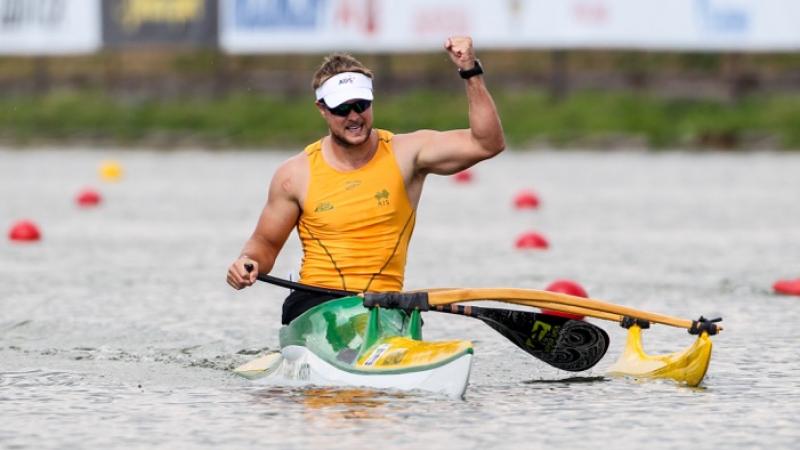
<point x="531" y="240"/>
<point x="787" y="287"/>
<point x="87" y="198"/>
<point x="526" y="199"/>
<point x="110" y="171"/>
<point x="465" y="176"/>
<point x="24" y="231"/>
<point x="568" y="287"/>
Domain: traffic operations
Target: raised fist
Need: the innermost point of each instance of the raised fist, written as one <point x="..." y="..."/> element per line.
<point x="461" y="52"/>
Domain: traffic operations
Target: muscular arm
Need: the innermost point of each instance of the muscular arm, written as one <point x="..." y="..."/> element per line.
<point x="279" y="216"/>
<point x="448" y="152"/>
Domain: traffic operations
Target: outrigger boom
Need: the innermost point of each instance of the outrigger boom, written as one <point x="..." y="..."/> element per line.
<point x="529" y="297"/>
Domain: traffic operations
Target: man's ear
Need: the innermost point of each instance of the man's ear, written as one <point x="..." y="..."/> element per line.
<point x="321" y="108"/>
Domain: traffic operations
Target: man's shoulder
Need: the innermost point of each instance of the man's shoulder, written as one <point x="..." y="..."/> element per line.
<point x="411" y="139"/>
<point x="408" y="145"/>
<point x="291" y="176"/>
<point x="296" y="162"/>
<point x="415" y="134"/>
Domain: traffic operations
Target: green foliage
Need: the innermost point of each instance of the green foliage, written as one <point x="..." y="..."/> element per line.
<point x="530" y="117"/>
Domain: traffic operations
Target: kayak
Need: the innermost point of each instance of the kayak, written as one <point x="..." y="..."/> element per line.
<point x="343" y="343"/>
<point x="375" y="340"/>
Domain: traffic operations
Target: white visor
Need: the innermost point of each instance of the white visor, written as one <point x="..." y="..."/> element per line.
<point x="343" y="87"/>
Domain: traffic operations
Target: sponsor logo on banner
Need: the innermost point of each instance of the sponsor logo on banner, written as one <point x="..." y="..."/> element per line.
<point x="358" y="15"/>
<point x="49" y="27"/>
<point x="276" y="13"/>
<point x="144" y="22"/>
<point x="134" y="13"/>
<point x="723" y="17"/>
<point x="590" y="12"/>
<point x="31" y="13"/>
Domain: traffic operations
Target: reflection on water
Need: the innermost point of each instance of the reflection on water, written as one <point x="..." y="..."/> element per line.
<point x="568" y="380"/>
<point x="335" y="403"/>
<point x="350" y="403"/>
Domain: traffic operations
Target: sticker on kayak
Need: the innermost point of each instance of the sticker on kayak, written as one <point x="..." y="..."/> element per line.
<point x="379" y="350"/>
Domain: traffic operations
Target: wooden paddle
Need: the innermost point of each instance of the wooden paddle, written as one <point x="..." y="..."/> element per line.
<point x="571" y="345"/>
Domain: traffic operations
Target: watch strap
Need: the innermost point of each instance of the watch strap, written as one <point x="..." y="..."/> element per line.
<point x="477" y="69"/>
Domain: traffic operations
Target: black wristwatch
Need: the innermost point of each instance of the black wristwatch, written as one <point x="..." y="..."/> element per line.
<point x="469" y="73"/>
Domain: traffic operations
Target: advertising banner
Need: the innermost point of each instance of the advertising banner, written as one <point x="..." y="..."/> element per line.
<point x="278" y="26"/>
<point x="654" y="24"/>
<point x="49" y="27"/>
<point x="130" y="23"/>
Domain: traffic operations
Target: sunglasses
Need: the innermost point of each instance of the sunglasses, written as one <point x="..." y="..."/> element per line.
<point x="344" y="109"/>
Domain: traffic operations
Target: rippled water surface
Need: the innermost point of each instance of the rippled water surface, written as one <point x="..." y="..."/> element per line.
<point x="118" y="330"/>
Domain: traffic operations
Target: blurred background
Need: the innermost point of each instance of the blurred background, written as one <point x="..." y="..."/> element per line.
<point x="689" y="74"/>
<point x="117" y="329"/>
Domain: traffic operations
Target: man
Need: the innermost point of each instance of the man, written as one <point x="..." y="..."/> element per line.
<point x="353" y="194"/>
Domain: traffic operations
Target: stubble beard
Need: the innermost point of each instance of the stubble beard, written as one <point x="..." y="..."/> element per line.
<point x="342" y="142"/>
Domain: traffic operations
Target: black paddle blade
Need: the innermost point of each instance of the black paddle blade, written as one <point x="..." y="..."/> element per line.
<point x="571" y="345"/>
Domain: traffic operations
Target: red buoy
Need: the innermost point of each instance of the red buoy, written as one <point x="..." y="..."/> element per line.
<point x="526" y="200"/>
<point x="88" y="198"/>
<point x="532" y="240"/>
<point x="787" y="287"/>
<point x="24" y="231"/>
<point x="568" y="287"/>
<point x="465" y="176"/>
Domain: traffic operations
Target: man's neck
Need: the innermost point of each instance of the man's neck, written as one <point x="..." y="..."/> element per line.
<point x="345" y="156"/>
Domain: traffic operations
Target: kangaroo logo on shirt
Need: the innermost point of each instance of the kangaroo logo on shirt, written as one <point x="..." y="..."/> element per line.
<point x="323" y="206"/>
<point x="382" y="197"/>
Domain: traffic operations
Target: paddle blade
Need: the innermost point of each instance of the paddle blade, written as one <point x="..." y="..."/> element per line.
<point x="571" y="345"/>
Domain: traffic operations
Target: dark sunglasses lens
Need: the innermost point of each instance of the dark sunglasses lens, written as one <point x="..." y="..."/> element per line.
<point x="341" y="110"/>
<point x="361" y="105"/>
<point x="345" y="108"/>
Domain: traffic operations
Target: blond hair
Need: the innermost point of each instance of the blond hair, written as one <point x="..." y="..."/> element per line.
<point x="336" y="63"/>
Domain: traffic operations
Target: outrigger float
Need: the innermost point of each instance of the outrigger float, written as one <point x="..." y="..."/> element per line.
<point x="375" y="340"/>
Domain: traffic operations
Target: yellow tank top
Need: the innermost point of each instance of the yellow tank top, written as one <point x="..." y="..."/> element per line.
<point x="355" y="225"/>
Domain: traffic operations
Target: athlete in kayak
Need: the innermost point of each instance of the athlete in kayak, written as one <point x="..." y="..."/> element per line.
<point x="353" y="194"/>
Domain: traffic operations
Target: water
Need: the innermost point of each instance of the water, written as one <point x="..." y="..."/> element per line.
<point x="118" y="329"/>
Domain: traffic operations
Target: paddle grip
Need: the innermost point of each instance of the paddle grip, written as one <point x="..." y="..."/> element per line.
<point x="407" y="301"/>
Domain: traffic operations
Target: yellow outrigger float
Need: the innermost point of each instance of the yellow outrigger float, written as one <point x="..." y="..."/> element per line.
<point x="686" y="367"/>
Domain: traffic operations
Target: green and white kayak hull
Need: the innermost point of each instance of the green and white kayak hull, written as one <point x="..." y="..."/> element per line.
<point x="342" y="343"/>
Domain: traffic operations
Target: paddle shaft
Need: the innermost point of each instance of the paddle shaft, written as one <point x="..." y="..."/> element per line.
<point x="302" y="287"/>
<point x="529" y="297"/>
